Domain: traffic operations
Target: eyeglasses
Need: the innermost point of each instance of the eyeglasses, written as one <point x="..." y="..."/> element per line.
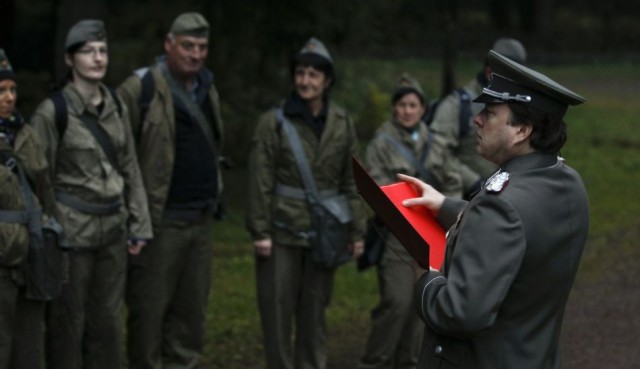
<point x="93" y="51"/>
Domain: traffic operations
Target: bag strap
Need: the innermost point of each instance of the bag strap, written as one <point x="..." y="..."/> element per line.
<point x="178" y="92"/>
<point x="61" y="115"/>
<point x="465" y="112"/>
<point x="33" y="214"/>
<point x="146" y="93"/>
<point x="101" y="136"/>
<point x="311" y="190"/>
<point x="408" y="154"/>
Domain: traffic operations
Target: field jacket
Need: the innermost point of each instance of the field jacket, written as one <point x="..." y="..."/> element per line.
<point x="272" y="163"/>
<point x="80" y="168"/>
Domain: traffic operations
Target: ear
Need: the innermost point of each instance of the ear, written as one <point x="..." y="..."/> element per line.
<point x="68" y="60"/>
<point x="523" y="132"/>
<point x="327" y="82"/>
<point x="168" y="42"/>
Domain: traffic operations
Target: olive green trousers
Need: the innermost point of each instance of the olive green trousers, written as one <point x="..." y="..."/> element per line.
<point x="167" y="293"/>
<point x="84" y="324"/>
<point x="293" y="291"/>
<point x="395" y="339"/>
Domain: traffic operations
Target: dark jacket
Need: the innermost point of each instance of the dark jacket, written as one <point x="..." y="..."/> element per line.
<point x="511" y="260"/>
<point x="155" y="135"/>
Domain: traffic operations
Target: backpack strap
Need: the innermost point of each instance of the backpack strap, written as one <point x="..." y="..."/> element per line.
<point x="114" y="95"/>
<point x="146" y="92"/>
<point x="61" y="115"/>
<point x="465" y="112"/>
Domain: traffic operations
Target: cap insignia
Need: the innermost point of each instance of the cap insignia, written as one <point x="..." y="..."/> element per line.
<point x="497" y="182"/>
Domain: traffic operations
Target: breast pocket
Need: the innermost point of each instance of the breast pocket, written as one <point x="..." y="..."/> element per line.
<point x="79" y="153"/>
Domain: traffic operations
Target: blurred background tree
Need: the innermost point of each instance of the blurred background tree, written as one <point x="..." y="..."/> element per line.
<point x="252" y="40"/>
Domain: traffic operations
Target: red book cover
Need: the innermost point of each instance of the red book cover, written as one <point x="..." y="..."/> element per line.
<point x="416" y="229"/>
<point x="420" y="219"/>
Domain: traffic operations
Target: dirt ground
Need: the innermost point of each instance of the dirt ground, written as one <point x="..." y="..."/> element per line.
<point x="601" y="329"/>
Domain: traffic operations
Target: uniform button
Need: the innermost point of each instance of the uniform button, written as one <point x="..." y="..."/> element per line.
<point x="438" y="349"/>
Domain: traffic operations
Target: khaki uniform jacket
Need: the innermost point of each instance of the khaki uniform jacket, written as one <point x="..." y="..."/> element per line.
<point x="272" y="162"/>
<point x="80" y="168"/>
<point x="155" y="137"/>
<point x="512" y="255"/>
<point x="446" y="124"/>
<point x="384" y="162"/>
<point x="28" y="151"/>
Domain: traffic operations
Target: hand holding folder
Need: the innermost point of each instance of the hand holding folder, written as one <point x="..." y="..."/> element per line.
<point x="416" y="229"/>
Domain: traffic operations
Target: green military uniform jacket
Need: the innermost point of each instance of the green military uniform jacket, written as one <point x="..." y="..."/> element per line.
<point x="272" y="162"/>
<point x="446" y="125"/>
<point x="79" y="167"/>
<point x="511" y="258"/>
<point x="28" y="151"/>
<point x="155" y="136"/>
<point x="384" y="162"/>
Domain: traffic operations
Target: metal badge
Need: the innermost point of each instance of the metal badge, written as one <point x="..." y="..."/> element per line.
<point x="498" y="182"/>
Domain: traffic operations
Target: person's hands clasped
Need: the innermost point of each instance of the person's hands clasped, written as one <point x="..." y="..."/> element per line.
<point x="430" y="198"/>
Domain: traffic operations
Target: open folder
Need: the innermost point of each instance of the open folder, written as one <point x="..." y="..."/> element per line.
<point x="416" y="229"/>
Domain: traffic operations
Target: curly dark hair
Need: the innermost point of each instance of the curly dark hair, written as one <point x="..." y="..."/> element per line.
<point x="549" y="131"/>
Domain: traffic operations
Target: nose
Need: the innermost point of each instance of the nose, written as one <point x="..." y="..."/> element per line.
<point x="11" y="95"/>
<point x="477" y="121"/>
<point x="99" y="55"/>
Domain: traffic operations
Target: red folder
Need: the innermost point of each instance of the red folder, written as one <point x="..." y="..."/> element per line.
<point x="416" y="229"/>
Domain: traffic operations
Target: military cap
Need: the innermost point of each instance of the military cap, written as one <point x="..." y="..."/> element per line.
<point x="6" y="72"/>
<point x="84" y="31"/>
<point x="405" y="84"/>
<point x="190" y="24"/>
<point x="513" y="82"/>
<point x="511" y="48"/>
<point x="315" y="46"/>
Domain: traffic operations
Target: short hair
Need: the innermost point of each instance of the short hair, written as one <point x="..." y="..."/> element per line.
<point x="317" y="62"/>
<point x="549" y="131"/>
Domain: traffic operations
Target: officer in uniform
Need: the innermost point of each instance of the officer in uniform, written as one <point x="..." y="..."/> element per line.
<point x="513" y="250"/>
<point x="174" y="111"/>
<point x="291" y="286"/>
<point x="459" y="137"/>
<point x="100" y="202"/>
<point x="403" y="144"/>
<point x="21" y="317"/>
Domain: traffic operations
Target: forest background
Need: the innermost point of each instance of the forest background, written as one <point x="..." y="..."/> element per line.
<point x="591" y="46"/>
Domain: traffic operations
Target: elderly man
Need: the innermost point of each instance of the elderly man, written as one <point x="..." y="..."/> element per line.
<point x="175" y="117"/>
<point x="513" y="250"/>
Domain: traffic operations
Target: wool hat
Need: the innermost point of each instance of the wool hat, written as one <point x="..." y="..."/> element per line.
<point x="511" y="48"/>
<point x="6" y="71"/>
<point x="405" y="84"/>
<point x="513" y="82"/>
<point x="315" y="46"/>
<point x="84" y="31"/>
<point x="190" y="24"/>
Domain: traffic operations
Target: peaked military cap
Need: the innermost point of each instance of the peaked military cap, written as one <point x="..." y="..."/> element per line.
<point x="84" y="31"/>
<point x="511" y="48"/>
<point x="190" y="24"/>
<point x="6" y="72"/>
<point x="405" y="84"/>
<point x="315" y="46"/>
<point x="513" y="82"/>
